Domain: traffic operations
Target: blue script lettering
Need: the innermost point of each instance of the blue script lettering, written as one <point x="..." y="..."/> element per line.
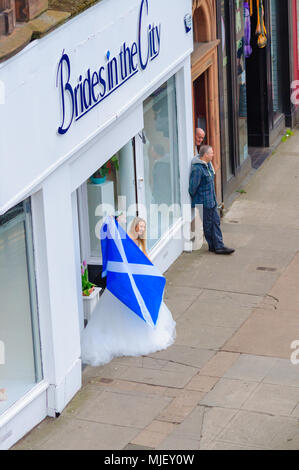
<point x="95" y="86"/>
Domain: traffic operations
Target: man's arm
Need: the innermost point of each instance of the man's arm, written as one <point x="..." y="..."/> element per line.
<point x="194" y="181"/>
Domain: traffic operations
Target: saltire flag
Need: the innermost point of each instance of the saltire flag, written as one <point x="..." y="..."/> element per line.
<point x="131" y="277"/>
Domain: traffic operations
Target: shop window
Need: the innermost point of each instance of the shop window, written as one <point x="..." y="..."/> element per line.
<point x="111" y="190"/>
<point x="20" y="361"/>
<point x="161" y="165"/>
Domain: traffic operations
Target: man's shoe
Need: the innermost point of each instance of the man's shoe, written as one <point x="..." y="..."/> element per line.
<point x="212" y="249"/>
<point x="224" y="251"/>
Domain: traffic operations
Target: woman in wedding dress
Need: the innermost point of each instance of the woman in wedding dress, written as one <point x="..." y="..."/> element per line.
<point x="114" y="330"/>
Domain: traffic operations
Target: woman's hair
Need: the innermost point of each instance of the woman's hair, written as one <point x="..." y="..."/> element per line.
<point x="133" y="234"/>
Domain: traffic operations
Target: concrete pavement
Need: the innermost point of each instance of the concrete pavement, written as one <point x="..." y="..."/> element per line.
<point x="228" y="381"/>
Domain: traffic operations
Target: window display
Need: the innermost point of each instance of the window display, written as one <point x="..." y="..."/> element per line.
<point x="111" y="190"/>
<point x="20" y="360"/>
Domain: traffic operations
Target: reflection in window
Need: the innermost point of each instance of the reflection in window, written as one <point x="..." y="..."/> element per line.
<point x="161" y="166"/>
<point x="19" y="332"/>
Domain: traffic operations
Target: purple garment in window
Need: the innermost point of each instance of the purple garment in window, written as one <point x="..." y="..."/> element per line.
<point x="247" y="31"/>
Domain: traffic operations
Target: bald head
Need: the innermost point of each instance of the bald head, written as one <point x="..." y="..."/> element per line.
<point x="199" y="136"/>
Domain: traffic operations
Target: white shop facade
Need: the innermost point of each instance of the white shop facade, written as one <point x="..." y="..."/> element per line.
<point x="109" y="90"/>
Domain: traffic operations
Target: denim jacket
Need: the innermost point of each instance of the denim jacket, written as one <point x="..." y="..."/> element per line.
<point x="201" y="184"/>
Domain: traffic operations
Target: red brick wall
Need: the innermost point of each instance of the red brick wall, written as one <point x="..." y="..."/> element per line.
<point x="19" y="10"/>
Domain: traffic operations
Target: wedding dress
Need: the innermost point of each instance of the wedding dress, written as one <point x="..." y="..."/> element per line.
<point x="133" y="281"/>
<point x="114" y="331"/>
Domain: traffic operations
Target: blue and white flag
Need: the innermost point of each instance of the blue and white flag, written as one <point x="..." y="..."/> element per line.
<point x="131" y="277"/>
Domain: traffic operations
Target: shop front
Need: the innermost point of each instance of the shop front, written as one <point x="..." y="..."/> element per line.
<point x="204" y="63"/>
<point x="254" y="78"/>
<point x="115" y="137"/>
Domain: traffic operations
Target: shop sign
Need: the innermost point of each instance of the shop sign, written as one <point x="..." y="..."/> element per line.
<point x="93" y="87"/>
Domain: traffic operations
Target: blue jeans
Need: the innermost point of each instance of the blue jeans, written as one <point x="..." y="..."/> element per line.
<point x="211" y="228"/>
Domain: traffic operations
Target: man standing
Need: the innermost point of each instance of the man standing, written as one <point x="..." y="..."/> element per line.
<point x="202" y="191"/>
<point x="199" y="137"/>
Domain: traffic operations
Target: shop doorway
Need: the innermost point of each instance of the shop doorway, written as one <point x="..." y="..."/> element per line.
<point x="267" y="78"/>
<point x="200" y="92"/>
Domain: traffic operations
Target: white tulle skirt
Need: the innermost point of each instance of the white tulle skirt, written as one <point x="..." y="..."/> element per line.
<point x="114" y="330"/>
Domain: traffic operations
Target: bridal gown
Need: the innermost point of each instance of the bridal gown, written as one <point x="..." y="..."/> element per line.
<point x="114" y="331"/>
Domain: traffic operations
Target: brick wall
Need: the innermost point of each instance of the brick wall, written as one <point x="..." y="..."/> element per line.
<point x="7" y="17"/>
<point x="12" y="11"/>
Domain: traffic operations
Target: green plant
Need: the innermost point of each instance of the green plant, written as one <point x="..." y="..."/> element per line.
<point x="241" y="191"/>
<point x="288" y="134"/>
<point x="87" y="287"/>
<point x="107" y="168"/>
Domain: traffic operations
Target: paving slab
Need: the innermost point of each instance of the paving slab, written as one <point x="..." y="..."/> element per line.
<point x="160" y="377"/>
<point x="202" y="383"/>
<point x="250" y="428"/>
<point x="191" y="426"/>
<point x="154" y="434"/>
<point x="250" y="367"/>
<point x="181" y="406"/>
<point x="174" y="442"/>
<point x="220" y="445"/>
<point x="242" y="279"/>
<point x="203" y="424"/>
<point x="222" y="309"/>
<point x="266" y="333"/>
<point x="192" y="333"/>
<point x="214" y="421"/>
<point x="86" y="435"/>
<point x="283" y="372"/>
<point x="278" y="400"/>
<point x="123" y="409"/>
<point x="219" y="364"/>
<point x="178" y="306"/>
<point x="179" y="292"/>
<point x="260" y="237"/>
<point x="229" y="393"/>
<point x="111" y="370"/>
<point x="186" y="355"/>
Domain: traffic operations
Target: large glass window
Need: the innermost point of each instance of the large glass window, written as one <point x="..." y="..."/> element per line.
<point x="241" y="81"/>
<point x="20" y="359"/>
<point x="161" y="164"/>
